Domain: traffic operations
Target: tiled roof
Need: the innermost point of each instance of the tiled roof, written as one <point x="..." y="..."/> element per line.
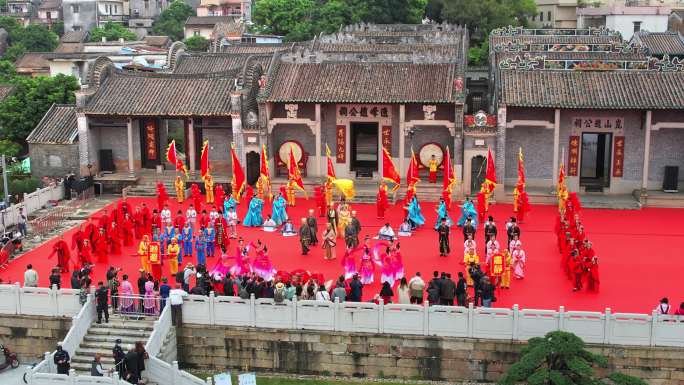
<point x="5" y="91"/>
<point x="142" y="94"/>
<point x="69" y="47"/>
<point x="555" y="39"/>
<point x="444" y="49"/>
<point x="363" y="82"/>
<point x="660" y="43"/>
<point x="158" y="41"/>
<point x="208" y="20"/>
<point x="58" y="126"/>
<point x="592" y="89"/>
<point x="33" y="60"/>
<point x="572" y="55"/>
<point x="74" y="37"/>
<point x="253" y="48"/>
<point x="50" y="4"/>
<point x="231" y="28"/>
<point x="216" y="62"/>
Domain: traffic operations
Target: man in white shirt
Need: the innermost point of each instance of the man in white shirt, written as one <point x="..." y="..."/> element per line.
<point x="165" y="215"/>
<point x="30" y="277"/>
<point x="176" y="300"/>
<point x="405" y="229"/>
<point x="213" y="216"/>
<point x="232" y="219"/>
<point x="270" y="225"/>
<point x="191" y="216"/>
<point x="416" y="288"/>
<point x="386" y="233"/>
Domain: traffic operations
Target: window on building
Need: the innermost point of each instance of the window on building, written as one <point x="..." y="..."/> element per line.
<point x="76" y="27"/>
<point x="534" y="17"/>
<point x="548" y="16"/>
<point x="541" y="16"/>
<point x="637" y="26"/>
<point x="74" y="8"/>
<point x="147" y="4"/>
<point x="196" y="32"/>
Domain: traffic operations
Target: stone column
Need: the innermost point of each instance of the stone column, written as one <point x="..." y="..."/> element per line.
<point x="236" y="125"/>
<point x="191" y="146"/>
<point x="647" y="151"/>
<point x="317" y="131"/>
<point x="556" y="145"/>
<point x="131" y="162"/>
<point x="83" y="143"/>
<point x="402" y="138"/>
<point x="500" y="155"/>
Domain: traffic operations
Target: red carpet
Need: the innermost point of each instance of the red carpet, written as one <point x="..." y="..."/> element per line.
<point x="638" y="254"/>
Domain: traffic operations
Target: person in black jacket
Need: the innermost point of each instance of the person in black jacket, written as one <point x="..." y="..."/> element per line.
<point x="468" y="229"/>
<point x="228" y="286"/>
<point x="476" y="274"/>
<point x="119" y="355"/>
<point x="487" y="292"/>
<point x="102" y="297"/>
<point x="434" y="289"/>
<point x="62" y="360"/>
<point x="356" y="292"/>
<point x="447" y="291"/>
<point x="56" y="278"/>
<point x="142" y="280"/>
<point x="461" y="290"/>
<point x="130" y="365"/>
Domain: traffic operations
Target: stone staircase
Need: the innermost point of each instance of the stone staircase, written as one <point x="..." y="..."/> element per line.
<point x="101" y="337"/>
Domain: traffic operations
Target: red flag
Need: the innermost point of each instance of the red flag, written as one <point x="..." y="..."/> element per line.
<point x="331" y="167"/>
<point x="171" y="153"/>
<point x="265" y="173"/>
<point x="491" y="170"/>
<point x="239" y="181"/>
<point x="562" y="190"/>
<point x="204" y="160"/>
<point x="412" y="176"/>
<point x="389" y="172"/>
<point x="449" y="178"/>
<point x="520" y="199"/>
<point x="488" y="186"/>
<point x="293" y="171"/>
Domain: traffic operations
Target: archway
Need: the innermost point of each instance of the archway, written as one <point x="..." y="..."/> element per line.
<point x="477" y="173"/>
<point x="253" y="165"/>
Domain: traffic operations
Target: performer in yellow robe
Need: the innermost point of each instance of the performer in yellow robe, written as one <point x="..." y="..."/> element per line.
<point x="209" y="188"/>
<point x="291" y="193"/>
<point x="180" y="189"/>
<point x="343" y="217"/>
<point x="506" y="275"/>
<point x="172" y="251"/>
<point x="260" y="189"/>
<point x="432" y="166"/>
<point x="469" y="259"/>
<point x="143" y="252"/>
<point x="328" y="188"/>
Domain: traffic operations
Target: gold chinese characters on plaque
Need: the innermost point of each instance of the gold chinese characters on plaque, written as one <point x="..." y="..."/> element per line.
<point x="341" y="135"/>
<point x="151" y="139"/>
<point x="619" y="154"/>
<point x="586" y="123"/>
<point x="387" y="138"/>
<point x="573" y="155"/>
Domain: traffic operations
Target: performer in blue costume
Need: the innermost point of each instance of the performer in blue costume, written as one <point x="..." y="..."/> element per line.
<point x="210" y="238"/>
<point x="201" y="248"/>
<point x="442" y="213"/>
<point x="254" y="217"/>
<point x="468" y="210"/>
<point x="415" y="216"/>
<point x="186" y="238"/>
<point x="228" y="203"/>
<point x="279" y="212"/>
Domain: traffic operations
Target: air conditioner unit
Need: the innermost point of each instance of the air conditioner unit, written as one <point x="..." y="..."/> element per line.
<point x="136" y="12"/>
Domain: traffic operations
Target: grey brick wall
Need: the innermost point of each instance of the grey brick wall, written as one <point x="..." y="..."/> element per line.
<point x="53" y="160"/>
<point x="430" y="134"/>
<point x="667" y="149"/>
<point x="537" y="146"/>
<point x="116" y="139"/>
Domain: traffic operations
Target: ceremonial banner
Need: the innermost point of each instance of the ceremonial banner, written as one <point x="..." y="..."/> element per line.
<point x="239" y="181"/>
<point x="151" y="139"/>
<point x="341" y="144"/>
<point x="154" y="252"/>
<point x="619" y="153"/>
<point x="331" y="167"/>
<point x="204" y="160"/>
<point x="293" y="172"/>
<point x="449" y="177"/>
<point x="264" y="172"/>
<point x="389" y="172"/>
<point x="573" y="155"/>
<point x="387" y="137"/>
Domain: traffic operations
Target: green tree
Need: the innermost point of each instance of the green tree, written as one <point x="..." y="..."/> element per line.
<point x="22" y="110"/>
<point x="482" y="15"/>
<point x="35" y="38"/>
<point x="197" y="43"/>
<point x="478" y="55"/>
<point x="394" y="11"/>
<point x="58" y="28"/>
<point x="9" y="148"/>
<point x="172" y="20"/>
<point x="560" y="358"/>
<point x="7" y="71"/>
<point x="112" y="32"/>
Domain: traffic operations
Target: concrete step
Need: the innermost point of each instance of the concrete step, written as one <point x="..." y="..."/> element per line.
<point x="122" y="323"/>
<point x="108" y="339"/>
<point x="90" y="351"/>
<point x="120" y="333"/>
<point x="106" y="359"/>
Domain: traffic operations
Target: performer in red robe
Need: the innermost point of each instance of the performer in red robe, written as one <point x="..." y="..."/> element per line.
<point x="121" y="211"/>
<point x="155" y="222"/>
<point x="179" y="221"/>
<point x="481" y="209"/>
<point x="219" y="196"/>
<point x="85" y="255"/>
<point x="523" y="206"/>
<point x="249" y="192"/>
<point x="77" y="239"/>
<point x="204" y="219"/>
<point x="101" y="246"/>
<point x="593" y="280"/>
<point x="62" y="250"/>
<point x="114" y="238"/>
<point x="162" y="196"/>
<point x="381" y="200"/>
<point x="196" y="196"/>
<point x="320" y="201"/>
<point x="104" y="220"/>
<point x="138" y="223"/>
<point x="147" y="219"/>
<point x="128" y="230"/>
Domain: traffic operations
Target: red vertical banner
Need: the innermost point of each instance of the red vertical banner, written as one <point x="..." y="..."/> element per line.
<point x="619" y="154"/>
<point x="151" y="139"/>
<point x="573" y="155"/>
<point x="387" y="138"/>
<point x="341" y="135"/>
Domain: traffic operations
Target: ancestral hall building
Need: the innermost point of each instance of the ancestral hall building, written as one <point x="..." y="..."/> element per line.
<point x="608" y="109"/>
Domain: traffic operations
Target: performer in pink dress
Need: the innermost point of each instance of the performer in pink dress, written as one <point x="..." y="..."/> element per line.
<point x="241" y="266"/>
<point x="387" y="268"/>
<point x="397" y="263"/>
<point x="349" y="263"/>
<point x="262" y="265"/>
<point x="367" y="268"/>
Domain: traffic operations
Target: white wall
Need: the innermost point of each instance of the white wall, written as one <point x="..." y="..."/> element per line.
<point x="625" y="23"/>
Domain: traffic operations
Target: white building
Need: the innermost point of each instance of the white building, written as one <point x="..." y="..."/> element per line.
<point x="625" y="19"/>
